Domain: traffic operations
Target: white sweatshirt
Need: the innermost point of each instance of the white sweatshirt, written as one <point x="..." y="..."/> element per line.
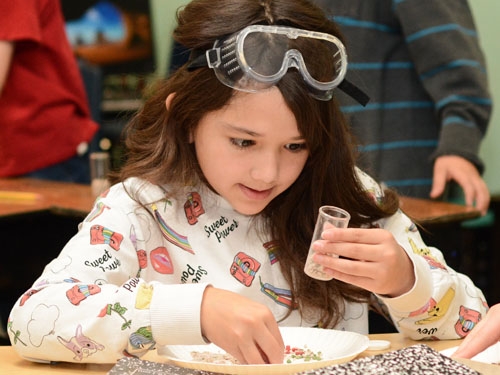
<point x="133" y="277"/>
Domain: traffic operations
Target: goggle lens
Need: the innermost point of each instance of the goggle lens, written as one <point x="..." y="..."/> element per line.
<point x="258" y="56"/>
<point x="270" y="55"/>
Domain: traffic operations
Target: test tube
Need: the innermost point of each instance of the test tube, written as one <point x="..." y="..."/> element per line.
<point x="99" y="169"/>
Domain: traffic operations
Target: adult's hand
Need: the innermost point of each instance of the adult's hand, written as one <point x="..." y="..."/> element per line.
<point x="452" y="167"/>
<point x="245" y="329"/>
<point x="482" y="336"/>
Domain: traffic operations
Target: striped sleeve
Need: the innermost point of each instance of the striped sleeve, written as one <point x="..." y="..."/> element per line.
<point x="445" y="48"/>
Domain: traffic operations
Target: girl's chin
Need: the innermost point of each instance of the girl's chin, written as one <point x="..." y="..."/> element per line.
<point x="248" y="210"/>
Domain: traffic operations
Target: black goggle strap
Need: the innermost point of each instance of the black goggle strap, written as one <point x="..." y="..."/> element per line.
<point x="354" y="92"/>
<point x="198" y="59"/>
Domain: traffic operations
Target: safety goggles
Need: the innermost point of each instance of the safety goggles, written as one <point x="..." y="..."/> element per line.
<point x="258" y="56"/>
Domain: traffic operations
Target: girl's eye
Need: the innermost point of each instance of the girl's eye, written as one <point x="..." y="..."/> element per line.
<point x="296" y="147"/>
<point x="242" y="143"/>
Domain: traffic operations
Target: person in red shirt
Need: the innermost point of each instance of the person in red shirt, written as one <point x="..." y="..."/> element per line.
<point x="45" y="123"/>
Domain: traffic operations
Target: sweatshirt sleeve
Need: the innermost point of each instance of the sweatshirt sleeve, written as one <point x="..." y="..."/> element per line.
<point x="443" y="304"/>
<point x="445" y="48"/>
<point x="91" y="305"/>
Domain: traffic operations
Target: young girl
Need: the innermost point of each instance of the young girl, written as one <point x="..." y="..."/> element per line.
<point x="204" y="235"/>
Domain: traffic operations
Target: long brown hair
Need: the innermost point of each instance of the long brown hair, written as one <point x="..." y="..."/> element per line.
<point x="158" y="147"/>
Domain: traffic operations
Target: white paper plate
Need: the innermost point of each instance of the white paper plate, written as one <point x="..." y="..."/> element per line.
<point x="489" y="355"/>
<point x="335" y="346"/>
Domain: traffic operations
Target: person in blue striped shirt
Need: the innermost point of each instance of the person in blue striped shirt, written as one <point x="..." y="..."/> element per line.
<point x="421" y="63"/>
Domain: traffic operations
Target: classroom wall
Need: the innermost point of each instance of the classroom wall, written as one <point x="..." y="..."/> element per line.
<point x="486" y="15"/>
<point x="163" y="12"/>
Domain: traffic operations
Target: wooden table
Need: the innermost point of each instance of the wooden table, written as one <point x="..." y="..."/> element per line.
<point x="426" y="211"/>
<point x="76" y="199"/>
<point x="57" y="197"/>
<point x="11" y="363"/>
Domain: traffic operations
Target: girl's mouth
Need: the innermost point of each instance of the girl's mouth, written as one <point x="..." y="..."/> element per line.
<point x="255" y="194"/>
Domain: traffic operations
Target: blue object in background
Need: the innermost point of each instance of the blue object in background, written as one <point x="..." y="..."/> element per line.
<point x="102" y="22"/>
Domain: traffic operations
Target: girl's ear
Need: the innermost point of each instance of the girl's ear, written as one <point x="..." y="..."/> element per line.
<point x="168" y="101"/>
<point x="168" y="104"/>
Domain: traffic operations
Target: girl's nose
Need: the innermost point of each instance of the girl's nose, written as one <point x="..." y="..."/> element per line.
<point x="266" y="168"/>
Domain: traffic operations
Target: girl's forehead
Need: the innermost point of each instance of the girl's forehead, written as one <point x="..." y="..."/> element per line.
<point x="263" y="113"/>
<point x="269" y="102"/>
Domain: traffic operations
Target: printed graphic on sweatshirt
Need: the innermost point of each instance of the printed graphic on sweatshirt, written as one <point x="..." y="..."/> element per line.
<point x="144" y="225"/>
<point x="192" y="274"/>
<point x="26" y="296"/>
<point x="142" y="339"/>
<point x="106" y="262"/>
<point x="374" y="195"/>
<point x="78" y="293"/>
<point x="142" y="257"/>
<point x="193" y="208"/>
<point x="412" y="228"/>
<point x="143" y="262"/>
<point x="244" y="268"/>
<point x="96" y="211"/>
<point x="116" y="309"/>
<point x="161" y="261"/>
<point x="15" y="334"/>
<point x="100" y="235"/>
<point x="440" y="309"/>
<point x="221" y="228"/>
<point x="42" y="323"/>
<point x="81" y="345"/>
<point x="467" y="320"/>
<point x="426" y="254"/>
<point x="133" y="236"/>
<point x="144" y="296"/>
<point x="272" y="248"/>
<point x="60" y="264"/>
<point x="40" y="284"/>
<point x="429" y="306"/>
<point x="169" y="234"/>
<point x="282" y="297"/>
